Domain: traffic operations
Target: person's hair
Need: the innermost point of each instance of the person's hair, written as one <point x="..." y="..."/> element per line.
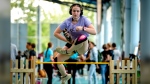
<point x="19" y="52"/>
<point x="93" y="43"/>
<point x="33" y="45"/>
<point x="29" y="43"/>
<point x="109" y="45"/>
<point x="104" y="46"/>
<point x="76" y="4"/>
<point x="49" y="45"/>
<point x="113" y="44"/>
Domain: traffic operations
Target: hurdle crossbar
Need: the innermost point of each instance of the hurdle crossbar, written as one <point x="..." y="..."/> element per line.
<point x="72" y="62"/>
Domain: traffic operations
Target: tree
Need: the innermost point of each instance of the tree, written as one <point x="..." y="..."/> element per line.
<point x="29" y="15"/>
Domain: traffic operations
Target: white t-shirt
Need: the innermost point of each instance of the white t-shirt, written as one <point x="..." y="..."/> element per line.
<point x="94" y="54"/>
<point x="117" y="54"/>
<point x="14" y="51"/>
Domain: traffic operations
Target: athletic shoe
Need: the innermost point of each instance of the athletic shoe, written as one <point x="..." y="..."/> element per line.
<point x="65" y="78"/>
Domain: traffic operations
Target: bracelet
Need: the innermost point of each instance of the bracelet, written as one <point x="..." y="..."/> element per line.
<point x="83" y="28"/>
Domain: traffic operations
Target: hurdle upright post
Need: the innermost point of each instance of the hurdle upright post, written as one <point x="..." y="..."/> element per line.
<point x="33" y="67"/>
<point x="11" y="74"/>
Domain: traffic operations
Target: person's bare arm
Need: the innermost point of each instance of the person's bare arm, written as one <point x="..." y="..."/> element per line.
<point x="90" y="29"/>
<point x="108" y="58"/>
<point x="32" y="57"/>
<point x="81" y="57"/>
<point x="88" y="57"/>
<point x="52" y="58"/>
<point x="120" y="57"/>
<point x="58" y="35"/>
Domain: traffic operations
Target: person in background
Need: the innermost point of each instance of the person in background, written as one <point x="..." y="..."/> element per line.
<point x="32" y="53"/>
<point x="104" y="70"/>
<point x="111" y="53"/>
<point x="14" y="53"/>
<point x="88" y="60"/>
<point x="117" y="56"/>
<point x="18" y="57"/>
<point x="55" y="65"/>
<point x="93" y="58"/>
<point x="81" y="66"/>
<point x="26" y="55"/>
<point x="72" y="67"/>
<point x="110" y="50"/>
<point x="48" y="57"/>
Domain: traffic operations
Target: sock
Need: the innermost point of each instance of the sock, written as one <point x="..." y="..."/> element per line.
<point x="61" y="69"/>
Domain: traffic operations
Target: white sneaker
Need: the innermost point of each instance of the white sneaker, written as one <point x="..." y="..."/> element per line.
<point x="66" y="78"/>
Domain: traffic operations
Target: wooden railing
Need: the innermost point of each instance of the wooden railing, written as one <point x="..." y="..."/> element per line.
<point x="23" y="72"/>
<point x="127" y="72"/>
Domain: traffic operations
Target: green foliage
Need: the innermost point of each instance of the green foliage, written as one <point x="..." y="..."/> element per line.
<point x="32" y="29"/>
<point x="31" y="33"/>
<point x="32" y="39"/>
<point x="45" y="29"/>
<point x="29" y="11"/>
<point x="45" y="35"/>
<point x="44" y="42"/>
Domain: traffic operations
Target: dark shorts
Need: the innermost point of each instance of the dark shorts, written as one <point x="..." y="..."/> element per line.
<point x="68" y="45"/>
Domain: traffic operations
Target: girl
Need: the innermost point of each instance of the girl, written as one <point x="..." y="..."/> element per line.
<point x="78" y="28"/>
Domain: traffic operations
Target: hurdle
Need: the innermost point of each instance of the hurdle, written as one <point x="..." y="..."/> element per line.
<point x="72" y="62"/>
<point x="124" y="70"/>
<point x="28" y="72"/>
<point x="128" y="71"/>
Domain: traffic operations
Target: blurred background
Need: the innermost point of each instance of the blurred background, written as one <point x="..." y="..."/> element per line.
<point x="35" y="21"/>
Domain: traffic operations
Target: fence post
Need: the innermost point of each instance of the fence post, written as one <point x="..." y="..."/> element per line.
<point x="27" y="74"/>
<point x="34" y="64"/>
<point x="111" y="67"/>
<point x="33" y="67"/>
<point x="21" y="74"/>
<point x="11" y="74"/>
<point x="16" y="74"/>
<point x="135" y="70"/>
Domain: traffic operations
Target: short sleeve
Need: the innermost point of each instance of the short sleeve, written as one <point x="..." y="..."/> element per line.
<point x="119" y="54"/>
<point x="51" y="52"/>
<point x="32" y="53"/>
<point x="44" y="53"/>
<point x="87" y="21"/>
<point x="95" y="53"/>
<point x="63" y="25"/>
